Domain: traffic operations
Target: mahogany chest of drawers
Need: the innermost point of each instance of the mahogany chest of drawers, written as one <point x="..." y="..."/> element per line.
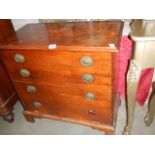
<point x="8" y="96"/>
<point x="66" y="71"/>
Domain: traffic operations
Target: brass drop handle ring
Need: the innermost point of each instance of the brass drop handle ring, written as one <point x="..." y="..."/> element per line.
<point x="86" y="61"/>
<point x="89" y="96"/>
<point x="88" y="78"/>
<point x="19" y="58"/>
<point x="25" y="73"/>
<point x="31" y="89"/>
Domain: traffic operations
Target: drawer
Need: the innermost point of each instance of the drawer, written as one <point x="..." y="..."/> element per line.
<point x="77" y="114"/>
<point x="59" y="60"/>
<point x="62" y="96"/>
<point x="59" y="67"/>
<point x="67" y="103"/>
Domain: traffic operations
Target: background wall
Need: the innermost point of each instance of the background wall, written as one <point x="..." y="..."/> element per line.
<point x="18" y="23"/>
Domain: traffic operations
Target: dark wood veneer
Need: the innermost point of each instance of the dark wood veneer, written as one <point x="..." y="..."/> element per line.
<point x="8" y="96"/>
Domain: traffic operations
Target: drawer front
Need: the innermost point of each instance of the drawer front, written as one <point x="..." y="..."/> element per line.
<point x="63" y="96"/>
<point x="59" y="67"/>
<point x="66" y="102"/>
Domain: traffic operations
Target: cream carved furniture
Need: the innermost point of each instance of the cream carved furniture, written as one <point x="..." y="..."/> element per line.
<point x="143" y="35"/>
<point x="151" y="108"/>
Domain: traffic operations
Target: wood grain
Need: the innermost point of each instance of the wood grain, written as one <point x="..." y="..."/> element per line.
<point x="79" y="36"/>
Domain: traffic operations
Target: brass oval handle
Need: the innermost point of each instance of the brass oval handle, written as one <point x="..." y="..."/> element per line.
<point x="25" y="73"/>
<point x="88" y="78"/>
<point x="19" y="58"/>
<point x="89" y="96"/>
<point x="86" y="61"/>
<point x="31" y="89"/>
<point x="37" y="104"/>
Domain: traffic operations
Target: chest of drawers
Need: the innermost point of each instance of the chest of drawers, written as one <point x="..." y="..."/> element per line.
<point x="66" y="71"/>
<point x="8" y="96"/>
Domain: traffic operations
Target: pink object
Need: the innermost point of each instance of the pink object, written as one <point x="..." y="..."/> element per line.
<point x="123" y="57"/>
<point x="144" y="85"/>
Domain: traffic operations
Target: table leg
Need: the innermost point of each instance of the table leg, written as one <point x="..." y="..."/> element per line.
<point x="151" y="108"/>
<point x="9" y="117"/>
<point x="132" y="84"/>
<point x="28" y="117"/>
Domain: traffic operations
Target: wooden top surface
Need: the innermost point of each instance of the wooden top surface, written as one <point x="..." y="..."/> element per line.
<point x="89" y="36"/>
<point x="143" y="30"/>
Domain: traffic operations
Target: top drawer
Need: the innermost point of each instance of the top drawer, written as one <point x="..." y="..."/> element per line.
<point x="58" y="66"/>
